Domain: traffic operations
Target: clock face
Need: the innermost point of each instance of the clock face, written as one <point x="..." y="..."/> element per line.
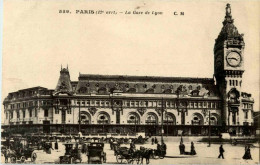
<point x="233" y="59"/>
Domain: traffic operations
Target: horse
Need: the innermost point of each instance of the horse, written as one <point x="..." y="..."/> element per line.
<point x="146" y="153"/>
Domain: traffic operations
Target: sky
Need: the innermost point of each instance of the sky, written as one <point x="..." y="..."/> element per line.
<point x="37" y="40"/>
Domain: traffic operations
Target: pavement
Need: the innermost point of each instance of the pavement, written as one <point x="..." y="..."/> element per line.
<point x="205" y="154"/>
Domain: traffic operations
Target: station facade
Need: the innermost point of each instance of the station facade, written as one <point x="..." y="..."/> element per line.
<point x="100" y="104"/>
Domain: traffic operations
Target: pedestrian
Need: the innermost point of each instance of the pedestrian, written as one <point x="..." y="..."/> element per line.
<point x="180" y="148"/>
<point x="164" y="148"/>
<point x="192" y="149"/>
<point x="5" y="152"/>
<point x="56" y="145"/>
<point x="247" y="154"/>
<point x="158" y="147"/>
<point x="152" y="141"/>
<point x="221" y="151"/>
<point x="155" y="141"/>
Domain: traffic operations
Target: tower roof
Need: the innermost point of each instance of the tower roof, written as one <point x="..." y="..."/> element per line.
<point x="229" y="30"/>
<point x="64" y="83"/>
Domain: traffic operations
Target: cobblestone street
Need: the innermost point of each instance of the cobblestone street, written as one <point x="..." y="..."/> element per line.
<point x="205" y="154"/>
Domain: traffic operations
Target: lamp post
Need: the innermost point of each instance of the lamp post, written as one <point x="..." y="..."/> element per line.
<point x="135" y="124"/>
<point x="209" y="129"/>
<point x="167" y="124"/>
<point x="162" y="131"/>
<point x="79" y="117"/>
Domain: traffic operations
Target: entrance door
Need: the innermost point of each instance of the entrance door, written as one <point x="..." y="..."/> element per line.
<point x="46" y="126"/>
<point x="63" y="117"/>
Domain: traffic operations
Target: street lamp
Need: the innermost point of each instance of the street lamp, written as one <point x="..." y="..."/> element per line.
<point x="79" y="116"/>
<point x="209" y="129"/>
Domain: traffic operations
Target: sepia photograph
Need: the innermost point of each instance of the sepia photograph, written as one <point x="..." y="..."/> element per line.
<point x="130" y="82"/>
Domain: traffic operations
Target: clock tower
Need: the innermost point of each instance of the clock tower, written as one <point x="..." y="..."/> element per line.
<point x="229" y="68"/>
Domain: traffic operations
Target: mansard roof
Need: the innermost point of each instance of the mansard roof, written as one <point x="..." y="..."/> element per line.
<point x="105" y="84"/>
<point x="143" y="78"/>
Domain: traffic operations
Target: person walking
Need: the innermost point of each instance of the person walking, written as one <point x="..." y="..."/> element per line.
<point x="164" y="148"/>
<point x="221" y="151"/>
<point x="180" y="148"/>
<point x="56" y="145"/>
<point x="152" y="141"/>
<point x="247" y="154"/>
<point x="192" y="149"/>
<point x="155" y="141"/>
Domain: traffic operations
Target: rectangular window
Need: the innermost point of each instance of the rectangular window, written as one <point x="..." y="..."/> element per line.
<point x="128" y="103"/>
<point x="146" y="103"/>
<point x="46" y="113"/>
<point x="209" y="104"/>
<point x="23" y="114"/>
<point x="57" y="111"/>
<point x="30" y="113"/>
<point x="69" y="111"/>
<point x="35" y="112"/>
<point x="18" y="114"/>
<point x="195" y="105"/>
<point x="12" y="115"/>
<point x="137" y="103"/>
<point x="246" y="115"/>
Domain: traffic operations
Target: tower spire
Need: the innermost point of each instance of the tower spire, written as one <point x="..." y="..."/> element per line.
<point x="228" y="17"/>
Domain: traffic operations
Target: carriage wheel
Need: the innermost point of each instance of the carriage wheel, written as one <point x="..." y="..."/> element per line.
<point x="23" y="159"/>
<point x="161" y="156"/>
<point x="72" y="160"/>
<point x="137" y="160"/>
<point x="13" y="159"/>
<point x="119" y="158"/>
<point x="33" y="157"/>
<point x="156" y="156"/>
<point x="130" y="161"/>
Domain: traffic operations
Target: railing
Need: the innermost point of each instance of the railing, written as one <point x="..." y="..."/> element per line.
<point x="132" y="121"/>
<point x="103" y="122"/>
<point x="196" y="122"/>
<point x="169" y="122"/>
<point x="85" y="122"/>
<point x="150" y="121"/>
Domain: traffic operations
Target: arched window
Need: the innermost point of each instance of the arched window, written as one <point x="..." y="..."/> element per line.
<point x="169" y="119"/>
<point x="151" y="118"/>
<point x="151" y="90"/>
<point x="133" y="118"/>
<point x="214" y="119"/>
<point x="102" y="90"/>
<point x="132" y="90"/>
<point x="85" y="118"/>
<point x="236" y="83"/>
<point x="197" y="119"/>
<point x="103" y="118"/>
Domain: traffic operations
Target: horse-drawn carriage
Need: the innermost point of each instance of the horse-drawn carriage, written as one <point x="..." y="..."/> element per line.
<point x="21" y="154"/>
<point x="96" y="154"/>
<point x="72" y="154"/>
<point x="140" y="140"/>
<point x="15" y="150"/>
<point x="125" y="155"/>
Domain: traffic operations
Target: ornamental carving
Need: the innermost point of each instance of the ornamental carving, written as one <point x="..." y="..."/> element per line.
<point x="141" y="111"/>
<point x="92" y="110"/>
<point x="159" y="111"/>
<point x="204" y="112"/>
